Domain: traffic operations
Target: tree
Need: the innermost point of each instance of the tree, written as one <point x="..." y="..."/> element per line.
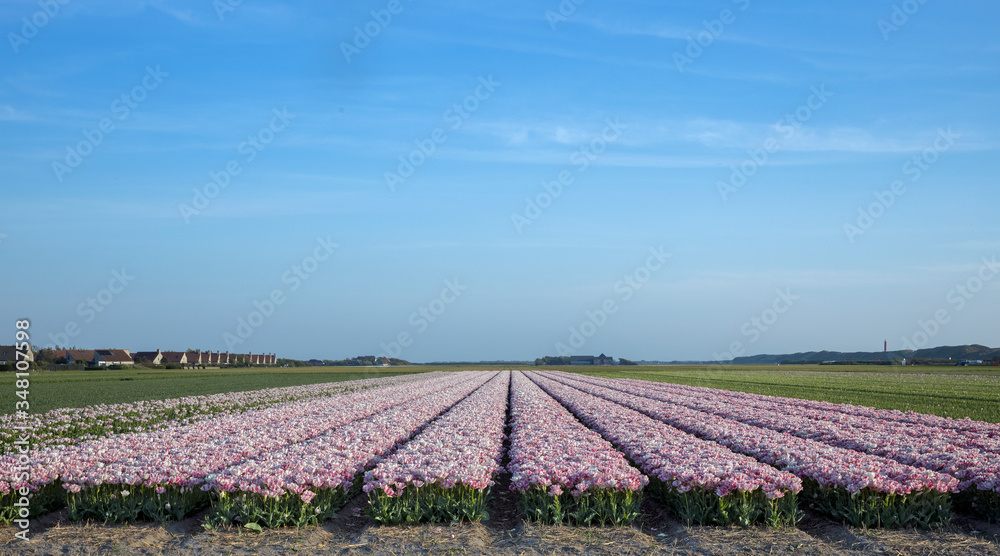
<point x="46" y="356"/>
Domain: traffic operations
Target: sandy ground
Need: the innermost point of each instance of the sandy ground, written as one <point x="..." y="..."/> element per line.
<point x="656" y="532"/>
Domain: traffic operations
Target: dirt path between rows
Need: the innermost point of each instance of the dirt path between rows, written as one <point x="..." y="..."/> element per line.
<point x="655" y="532"/>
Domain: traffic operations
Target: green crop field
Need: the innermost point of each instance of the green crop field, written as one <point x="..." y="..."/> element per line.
<point x="972" y="392"/>
<point x="57" y="389"/>
<point x="946" y="391"/>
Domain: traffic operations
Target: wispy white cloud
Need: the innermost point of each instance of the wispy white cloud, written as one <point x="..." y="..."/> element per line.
<point x="984" y="246"/>
<point x="10" y="114"/>
<point x="802" y="279"/>
<point x="673" y="32"/>
<point x="954" y="269"/>
<point x="658" y="30"/>
<point x="248" y="203"/>
<point x="190" y="12"/>
<point x="543" y="48"/>
<point x="698" y="134"/>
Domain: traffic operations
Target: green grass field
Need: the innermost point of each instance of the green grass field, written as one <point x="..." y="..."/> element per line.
<point x="52" y="390"/>
<point x="948" y="391"/>
<point x="958" y="392"/>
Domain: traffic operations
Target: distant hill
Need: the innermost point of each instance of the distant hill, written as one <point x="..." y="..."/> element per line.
<point x="956" y="353"/>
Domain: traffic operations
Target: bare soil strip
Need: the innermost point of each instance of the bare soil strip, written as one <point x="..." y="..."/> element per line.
<point x="505" y="532"/>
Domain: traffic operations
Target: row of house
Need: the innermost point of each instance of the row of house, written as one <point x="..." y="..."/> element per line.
<point x="124" y="358"/>
<point x="203" y="358"/>
<point x="8" y="355"/>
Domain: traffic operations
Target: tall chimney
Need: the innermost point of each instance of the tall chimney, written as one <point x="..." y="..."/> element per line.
<point x="887" y="346"/>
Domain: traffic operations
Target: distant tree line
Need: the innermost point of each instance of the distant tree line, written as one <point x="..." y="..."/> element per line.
<point x="360" y="361"/>
<point x="291" y="363"/>
<point x="549" y="360"/>
<point x="553" y="360"/>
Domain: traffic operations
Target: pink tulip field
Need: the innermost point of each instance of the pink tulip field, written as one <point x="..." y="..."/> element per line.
<point x="172" y="463"/>
<point x="579" y="450"/>
<point x="445" y="472"/>
<point x="854" y="485"/>
<point x="564" y="471"/>
<point x="72" y="425"/>
<point x="703" y="482"/>
<point x="304" y="482"/>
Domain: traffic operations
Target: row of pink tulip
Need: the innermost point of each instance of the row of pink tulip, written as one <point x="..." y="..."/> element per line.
<point x="892" y="494"/>
<point x="555" y="460"/>
<point x="316" y="477"/>
<point x="916" y="445"/>
<point x="182" y="456"/>
<point x="827" y="465"/>
<point x="903" y="417"/>
<point x="72" y="425"/>
<point x="446" y="471"/>
<point x="331" y="460"/>
<point x="956" y="433"/>
<point x="702" y="481"/>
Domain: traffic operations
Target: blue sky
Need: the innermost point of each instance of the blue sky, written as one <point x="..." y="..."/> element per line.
<point x="739" y="177"/>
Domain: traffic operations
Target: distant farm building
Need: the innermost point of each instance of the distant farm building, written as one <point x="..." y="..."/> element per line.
<point x="8" y="355"/>
<point x="591" y="360"/>
<point x="74" y="356"/>
<point x="109" y="357"/>
<point x="148" y="357"/>
<point x="175" y="358"/>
